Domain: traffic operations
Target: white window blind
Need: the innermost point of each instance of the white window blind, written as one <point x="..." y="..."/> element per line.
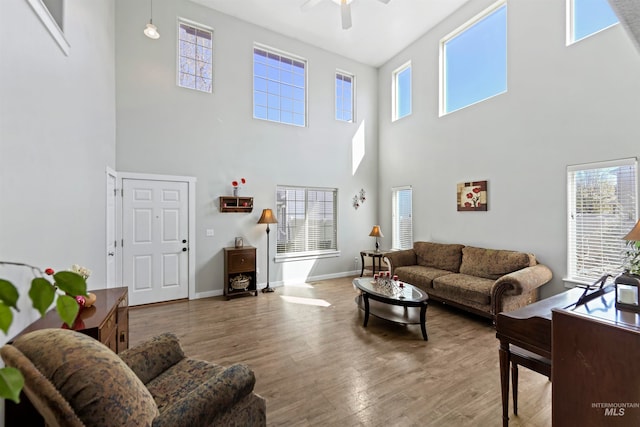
<point x="307" y="219"/>
<point x="602" y="208"/>
<point x="402" y="225"/>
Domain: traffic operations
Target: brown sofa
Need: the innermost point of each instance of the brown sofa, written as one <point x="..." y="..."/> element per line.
<point x="482" y="281"/>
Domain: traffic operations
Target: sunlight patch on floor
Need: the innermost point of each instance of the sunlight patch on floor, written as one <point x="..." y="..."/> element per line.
<point x="299" y="285"/>
<point x="306" y="301"/>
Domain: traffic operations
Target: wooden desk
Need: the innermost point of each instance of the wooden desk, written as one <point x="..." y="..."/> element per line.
<point x="107" y="321"/>
<point x="595" y="372"/>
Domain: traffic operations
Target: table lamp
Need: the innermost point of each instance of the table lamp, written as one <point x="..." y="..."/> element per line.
<point x="375" y="232"/>
<point x="267" y="218"/>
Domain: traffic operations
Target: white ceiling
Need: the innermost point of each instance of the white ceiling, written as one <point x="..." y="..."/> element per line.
<point x="379" y="30"/>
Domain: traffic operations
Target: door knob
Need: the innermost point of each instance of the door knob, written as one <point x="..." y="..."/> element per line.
<point x="184" y="240"/>
<point x="184" y="249"/>
<point x="110" y="254"/>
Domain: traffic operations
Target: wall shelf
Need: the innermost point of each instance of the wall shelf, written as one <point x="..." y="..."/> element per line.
<point x="236" y="204"/>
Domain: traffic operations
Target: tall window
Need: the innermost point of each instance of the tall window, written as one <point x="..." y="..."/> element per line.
<point x="345" y="89"/>
<point x="307" y="220"/>
<point x="473" y="60"/>
<point x="402" y="225"/>
<point x="602" y="208"/>
<point x="587" y="17"/>
<point x="401" y="92"/>
<point x="279" y="87"/>
<point x="195" y="57"/>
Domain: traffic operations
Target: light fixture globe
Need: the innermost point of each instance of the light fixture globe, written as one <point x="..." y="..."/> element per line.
<point x="151" y="31"/>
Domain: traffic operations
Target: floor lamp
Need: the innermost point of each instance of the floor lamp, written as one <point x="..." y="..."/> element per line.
<point x="267" y="218"/>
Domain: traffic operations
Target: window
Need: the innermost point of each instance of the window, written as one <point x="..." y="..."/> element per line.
<point x="51" y="13"/>
<point x="195" y="57"/>
<point x="473" y="60"/>
<point x="345" y="89"/>
<point x="402" y="225"/>
<point x="279" y="87"/>
<point x="602" y="208"/>
<point x="401" y="92"/>
<point x="587" y="17"/>
<point x="307" y="220"/>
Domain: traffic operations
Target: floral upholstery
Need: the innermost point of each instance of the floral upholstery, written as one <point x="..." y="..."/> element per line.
<point x="482" y="281"/>
<point x="74" y="380"/>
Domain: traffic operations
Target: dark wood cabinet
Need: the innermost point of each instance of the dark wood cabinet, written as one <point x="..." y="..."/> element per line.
<point x="240" y="271"/>
<point x="107" y="321"/>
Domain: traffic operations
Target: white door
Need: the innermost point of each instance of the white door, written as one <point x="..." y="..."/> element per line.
<point x="111" y="231"/>
<point x="155" y="230"/>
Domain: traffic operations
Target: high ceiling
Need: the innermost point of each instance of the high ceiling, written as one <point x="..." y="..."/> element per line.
<point x="379" y="30"/>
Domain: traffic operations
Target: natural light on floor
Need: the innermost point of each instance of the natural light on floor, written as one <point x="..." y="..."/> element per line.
<point x="357" y="148"/>
<point x="306" y="301"/>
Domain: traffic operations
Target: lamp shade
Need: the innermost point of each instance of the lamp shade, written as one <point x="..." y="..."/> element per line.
<point x="267" y="217"/>
<point x="376" y="232"/>
<point x="634" y="234"/>
<point x="151" y="31"/>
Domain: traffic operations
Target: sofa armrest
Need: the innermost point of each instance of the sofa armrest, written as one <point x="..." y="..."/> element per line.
<point x="211" y="399"/>
<point x="154" y="356"/>
<point x="519" y="282"/>
<point x="400" y="258"/>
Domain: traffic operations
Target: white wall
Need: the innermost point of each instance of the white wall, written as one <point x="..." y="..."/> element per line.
<point x="564" y="105"/>
<point x="57" y="136"/>
<point x="162" y="128"/>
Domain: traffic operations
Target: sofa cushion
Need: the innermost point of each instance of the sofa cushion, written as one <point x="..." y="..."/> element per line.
<point x="98" y="385"/>
<point x="442" y="256"/>
<point x="461" y="287"/>
<point x="418" y="275"/>
<point x="492" y="263"/>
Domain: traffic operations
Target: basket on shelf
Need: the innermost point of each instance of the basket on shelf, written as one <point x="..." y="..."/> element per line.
<point x="240" y="282"/>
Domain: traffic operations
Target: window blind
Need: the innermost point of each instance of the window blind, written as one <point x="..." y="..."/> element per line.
<point x="402" y="224"/>
<point x="602" y="208"/>
<point x="307" y="219"/>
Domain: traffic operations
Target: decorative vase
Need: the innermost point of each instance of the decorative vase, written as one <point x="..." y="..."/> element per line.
<point x="235" y="191"/>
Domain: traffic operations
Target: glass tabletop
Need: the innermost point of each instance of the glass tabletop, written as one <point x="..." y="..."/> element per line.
<point x="390" y="289"/>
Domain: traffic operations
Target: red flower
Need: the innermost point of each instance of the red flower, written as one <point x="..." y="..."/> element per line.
<point x="469" y="196"/>
<point x="467" y="204"/>
<point x="234" y="183"/>
<point x="49" y="271"/>
<point x="476" y="190"/>
<point x="242" y="180"/>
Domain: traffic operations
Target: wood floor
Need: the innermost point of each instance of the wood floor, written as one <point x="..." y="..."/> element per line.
<point x="317" y="366"/>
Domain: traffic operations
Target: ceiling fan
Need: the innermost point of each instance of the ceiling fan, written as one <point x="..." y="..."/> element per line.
<point x="345" y="9"/>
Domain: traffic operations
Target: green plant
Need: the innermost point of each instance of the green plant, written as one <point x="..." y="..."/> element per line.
<point x="631" y="255"/>
<point x="42" y="294"/>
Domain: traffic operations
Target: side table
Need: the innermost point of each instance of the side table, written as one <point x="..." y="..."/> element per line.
<point x="375" y="254"/>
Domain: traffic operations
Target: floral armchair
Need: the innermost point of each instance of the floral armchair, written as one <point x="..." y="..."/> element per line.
<point x="74" y="380"/>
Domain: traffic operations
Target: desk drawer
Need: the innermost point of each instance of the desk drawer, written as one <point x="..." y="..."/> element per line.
<point x="240" y="261"/>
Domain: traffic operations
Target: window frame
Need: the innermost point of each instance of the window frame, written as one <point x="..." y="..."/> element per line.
<point x="396" y="226"/>
<point x="495" y="7"/>
<point x="54" y="26"/>
<point x="570" y="24"/>
<point x="395" y="74"/>
<point x="291" y="57"/>
<point x="283" y="220"/>
<point x="611" y="245"/>
<point x="338" y="97"/>
<point x="197" y="27"/>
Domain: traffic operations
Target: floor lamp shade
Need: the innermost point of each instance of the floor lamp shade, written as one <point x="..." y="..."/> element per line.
<point x="267" y="217"/>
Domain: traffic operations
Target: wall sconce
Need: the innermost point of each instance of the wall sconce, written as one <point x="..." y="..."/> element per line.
<point x="151" y="30"/>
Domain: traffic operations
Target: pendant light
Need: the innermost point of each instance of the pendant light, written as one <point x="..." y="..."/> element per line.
<point x="151" y="30"/>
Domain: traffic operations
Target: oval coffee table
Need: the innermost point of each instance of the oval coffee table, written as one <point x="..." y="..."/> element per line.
<point x="392" y="303"/>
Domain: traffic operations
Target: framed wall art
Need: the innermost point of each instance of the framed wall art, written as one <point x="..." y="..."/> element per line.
<point x="472" y="196"/>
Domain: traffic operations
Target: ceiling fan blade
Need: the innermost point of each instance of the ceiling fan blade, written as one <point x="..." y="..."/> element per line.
<point x="345" y="13"/>
<point x="309" y="4"/>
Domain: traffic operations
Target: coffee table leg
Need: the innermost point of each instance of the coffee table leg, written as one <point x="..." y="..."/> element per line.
<point x="365" y="297"/>
<point x="423" y="321"/>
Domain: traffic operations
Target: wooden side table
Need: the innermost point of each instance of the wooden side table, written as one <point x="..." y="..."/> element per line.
<point x="372" y="254"/>
<point x="239" y="264"/>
